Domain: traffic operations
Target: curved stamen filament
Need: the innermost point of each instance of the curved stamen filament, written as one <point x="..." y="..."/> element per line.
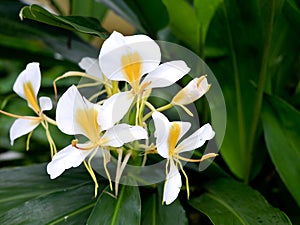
<point x="73" y="74"/>
<point x="75" y="142"/>
<point x="21" y="117"/>
<point x="204" y="157"/>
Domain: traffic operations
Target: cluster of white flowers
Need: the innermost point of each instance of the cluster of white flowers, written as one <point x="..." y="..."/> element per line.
<point x="133" y="60"/>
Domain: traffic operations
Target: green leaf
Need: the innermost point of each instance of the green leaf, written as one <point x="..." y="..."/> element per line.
<point x="124" y="11"/>
<point x="125" y="209"/>
<point x="205" y="10"/>
<point x="29" y="196"/>
<point x="89" y="8"/>
<point x="154" y="213"/>
<point x="184" y="23"/>
<point x="81" y="24"/>
<point x="230" y="202"/>
<point x="146" y="11"/>
<point x="281" y="124"/>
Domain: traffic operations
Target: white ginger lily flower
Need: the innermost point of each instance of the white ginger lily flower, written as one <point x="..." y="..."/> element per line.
<point x="167" y="136"/>
<point x="27" y="87"/>
<point x="76" y="115"/>
<point x="194" y="90"/>
<point x="129" y="58"/>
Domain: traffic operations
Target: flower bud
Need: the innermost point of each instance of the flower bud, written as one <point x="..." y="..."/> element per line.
<point x="193" y="91"/>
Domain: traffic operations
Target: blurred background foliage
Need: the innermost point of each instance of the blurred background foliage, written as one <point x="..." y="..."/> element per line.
<point x="252" y="48"/>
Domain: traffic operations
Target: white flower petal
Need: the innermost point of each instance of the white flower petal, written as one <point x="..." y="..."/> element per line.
<point x="21" y="127"/>
<point x="76" y="115"/>
<point x="194" y="90"/>
<point x="162" y="126"/>
<point x="31" y="74"/>
<point x="172" y="185"/>
<point x="114" y="109"/>
<point x="123" y="133"/>
<point x="45" y="103"/>
<point x="65" y="159"/>
<point x="184" y="127"/>
<point x="91" y="66"/>
<point x="145" y="51"/>
<point x="197" y="139"/>
<point x="166" y="74"/>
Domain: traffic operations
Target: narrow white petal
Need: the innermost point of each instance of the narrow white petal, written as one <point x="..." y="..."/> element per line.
<point x="31" y="74"/>
<point x="123" y="133"/>
<point x="162" y="126"/>
<point x="114" y="109"/>
<point x="184" y="127"/>
<point x="172" y="185"/>
<point x="91" y="66"/>
<point x="45" y="103"/>
<point x="21" y="127"/>
<point x="166" y="74"/>
<point x="76" y="115"/>
<point x="65" y="159"/>
<point x="118" y="46"/>
<point x="197" y="139"/>
<point x="194" y="90"/>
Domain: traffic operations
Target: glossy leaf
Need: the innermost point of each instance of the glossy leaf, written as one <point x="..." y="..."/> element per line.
<point x="180" y="11"/>
<point x="154" y="213"/>
<point x="28" y="196"/>
<point x="89" y="8"/>
<point x="281" y="124"/>
<point x="86" y="25"/>
<point x="230" y="202"/>
<point x="125" y="209"/>
<point x="32" y="41"/>
<point x="205" y="10"/>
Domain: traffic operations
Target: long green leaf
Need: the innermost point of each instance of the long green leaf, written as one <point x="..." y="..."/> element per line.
<point x="154" y="213"/>
<point x="281" y="124"/>
<point x="229" y="202"/>
<point x="184" y="23"/>
<point x="86" y="25"/>
<point x="125" y="209"/>
<point x="205" y="10"/>
<point x="89" y="8"/>
<point x="29" y="196"/>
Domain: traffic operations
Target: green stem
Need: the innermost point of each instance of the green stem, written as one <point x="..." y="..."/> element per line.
<point x="259" y="94"/>
<point x="240" y="116"/>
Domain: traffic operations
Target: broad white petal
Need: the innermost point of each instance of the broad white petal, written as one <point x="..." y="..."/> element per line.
<point x="123" y="133"/>
<point x="114" y="109"/>
<point x="76" y="115"/>
<point x="172" y="185"/>
<point x="162" y="126"/>
<point x="21" y="127"/>
<point x="146" y="52"/>
<point x="65" y="159"/>
<point x="91" y="66"/>
<point x="31" y="74"/>
<point x="197" y="139"/>
<point x="166" y="74"/>
<point x="45" y="103"/>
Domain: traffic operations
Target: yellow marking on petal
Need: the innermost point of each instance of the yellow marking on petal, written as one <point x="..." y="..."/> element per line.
<point x="87" y="119"/>
<point x="31" y="98"/>
<point x="131" y="66"/>
<point x="173" y="137"/>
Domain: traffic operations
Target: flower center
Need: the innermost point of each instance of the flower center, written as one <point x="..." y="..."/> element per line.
<point x="131" y="65"/>
<point x="29" y="93"/>
<point x="87" y="120"/>
<point x="173" y="137"/>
